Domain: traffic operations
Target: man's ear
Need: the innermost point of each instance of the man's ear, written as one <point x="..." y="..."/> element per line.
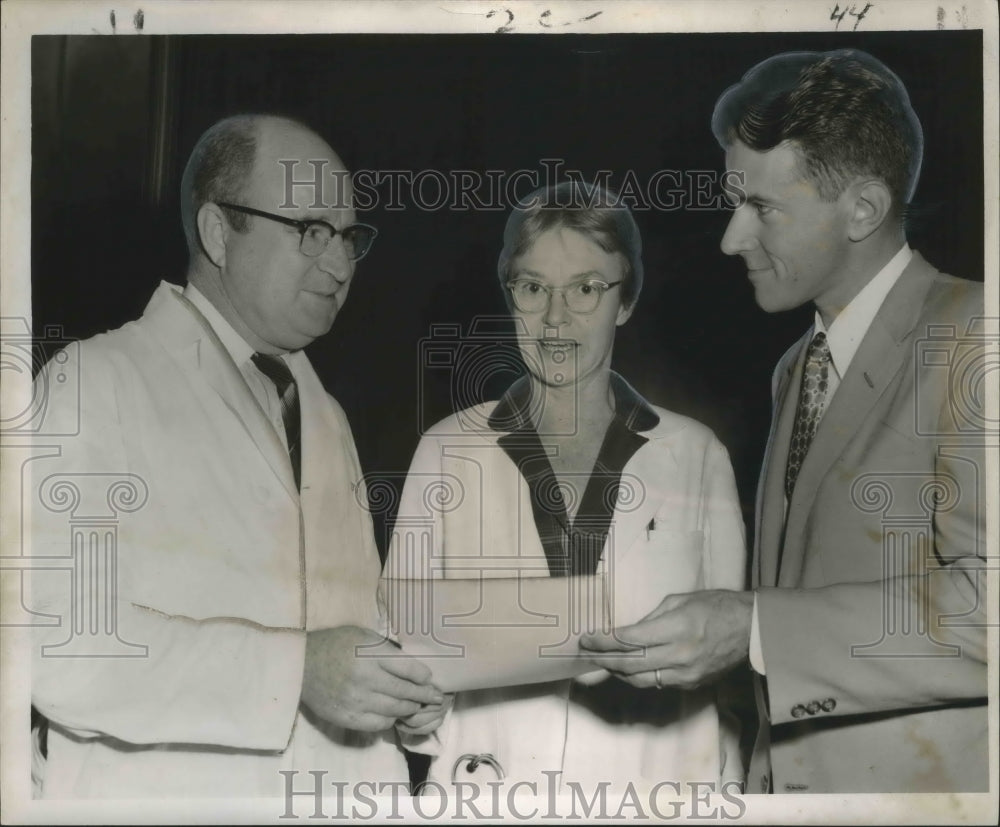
<point x="213" y="231"/>
<point x="871" y="203"/>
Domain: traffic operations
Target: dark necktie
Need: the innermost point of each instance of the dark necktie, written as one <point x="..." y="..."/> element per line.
<point x="275" y="369"/>
<point x="812" y="399"/>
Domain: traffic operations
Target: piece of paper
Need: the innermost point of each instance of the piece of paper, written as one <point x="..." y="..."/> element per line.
<point x="102" y="105"/>
<point x="484" y="632"/>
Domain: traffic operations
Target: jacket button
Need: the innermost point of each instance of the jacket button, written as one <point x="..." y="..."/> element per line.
<point x="812" y="707"/>
<point x="798" y="711"/>
<point x="828" y="705"/>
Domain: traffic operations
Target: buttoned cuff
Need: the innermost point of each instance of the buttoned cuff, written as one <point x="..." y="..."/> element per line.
<point x="756" y="652"/>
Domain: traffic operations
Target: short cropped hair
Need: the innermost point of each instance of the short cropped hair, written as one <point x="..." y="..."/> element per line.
<point x="593" y="211"/>
<point x="846" y="113"/>
<point x="219" y="167"/>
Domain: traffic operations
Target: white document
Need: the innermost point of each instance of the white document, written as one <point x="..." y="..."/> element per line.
<point x="484" y="632"/>
<point x="501" y="631"/>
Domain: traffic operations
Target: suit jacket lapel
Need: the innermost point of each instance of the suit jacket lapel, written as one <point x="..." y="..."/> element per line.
<point x="188" y="337"/>
<point x="879" y="359"/>
<point x="770" y="527"/>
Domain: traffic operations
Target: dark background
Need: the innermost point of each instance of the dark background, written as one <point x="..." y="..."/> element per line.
<point x="114" y="119"/>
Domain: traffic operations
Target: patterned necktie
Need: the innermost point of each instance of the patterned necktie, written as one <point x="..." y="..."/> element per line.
<point x="275" y="369"/>
<point x="812" y="400"/>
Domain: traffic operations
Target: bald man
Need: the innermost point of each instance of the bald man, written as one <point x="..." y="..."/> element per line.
<point x="243" y="637"/>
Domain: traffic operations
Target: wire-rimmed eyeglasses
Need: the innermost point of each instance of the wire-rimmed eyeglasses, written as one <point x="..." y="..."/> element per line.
<point x="316" y="235"/>
<point x="583" y="297"/>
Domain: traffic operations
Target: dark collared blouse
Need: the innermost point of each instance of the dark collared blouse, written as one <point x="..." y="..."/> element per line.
<point x="572" y="548"/>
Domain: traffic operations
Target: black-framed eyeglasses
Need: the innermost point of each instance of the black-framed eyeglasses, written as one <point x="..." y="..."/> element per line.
<point x="315" y="235"/>
<point x="532" y="296"/>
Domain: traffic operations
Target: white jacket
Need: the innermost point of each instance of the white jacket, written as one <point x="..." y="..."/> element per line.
<point x="676" y="528"/>
<point x="221" y="568"/>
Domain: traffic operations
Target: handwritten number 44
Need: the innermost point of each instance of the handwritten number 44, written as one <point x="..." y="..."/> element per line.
<point x="839" y="14"/>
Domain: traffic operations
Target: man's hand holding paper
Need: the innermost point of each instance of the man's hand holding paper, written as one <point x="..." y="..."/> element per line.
<point x="357" y="679"/>
<point x="685" y="642"/>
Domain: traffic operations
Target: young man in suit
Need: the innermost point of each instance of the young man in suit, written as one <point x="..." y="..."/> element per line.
<point x="239" y="632"/>
<point x="866" y="628"/>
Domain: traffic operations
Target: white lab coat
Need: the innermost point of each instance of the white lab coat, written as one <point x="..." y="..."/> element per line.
<point x="222" y="567"/>
<point x="676" y="528"/>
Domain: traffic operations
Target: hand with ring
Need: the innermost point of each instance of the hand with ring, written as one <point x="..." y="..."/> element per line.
<point x="685" y="642"/>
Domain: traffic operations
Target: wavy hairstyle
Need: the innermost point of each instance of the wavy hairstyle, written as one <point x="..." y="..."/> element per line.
<point x="846" y="113"/>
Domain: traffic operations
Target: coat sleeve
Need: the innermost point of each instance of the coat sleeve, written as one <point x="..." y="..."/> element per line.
<point x="417" y="537"/>
<point x="220" y="681"/>
<point x="725" y="568"/>
<point x="814" y="640"/>
<point x="725" y="533"/>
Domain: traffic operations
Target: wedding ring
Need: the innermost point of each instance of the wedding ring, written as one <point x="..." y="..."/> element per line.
<point x="659" y="685"/>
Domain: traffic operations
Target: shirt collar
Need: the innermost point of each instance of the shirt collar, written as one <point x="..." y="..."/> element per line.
<point x="235" y="344"/>
<point x="850" y="326"/>
<point x="512" y="412"/>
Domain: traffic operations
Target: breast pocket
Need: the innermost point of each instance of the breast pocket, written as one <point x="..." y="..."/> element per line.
<point x="666" y="562"/>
